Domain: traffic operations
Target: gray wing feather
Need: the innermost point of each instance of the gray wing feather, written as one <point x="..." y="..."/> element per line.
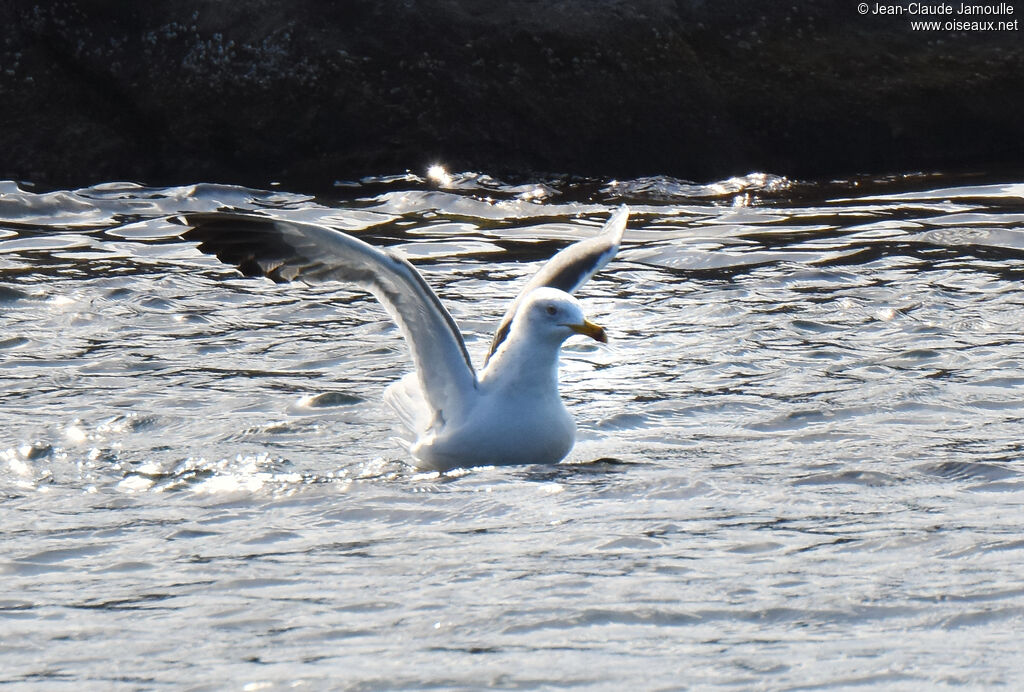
<point x="290" y="251"/>
<point x="570" y="268"/>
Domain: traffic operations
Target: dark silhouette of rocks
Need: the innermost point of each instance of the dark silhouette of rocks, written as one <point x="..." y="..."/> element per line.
<point x="308" y="92"/>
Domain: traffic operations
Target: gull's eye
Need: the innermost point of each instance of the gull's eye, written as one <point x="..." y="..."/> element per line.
<point x="552" y="310"/>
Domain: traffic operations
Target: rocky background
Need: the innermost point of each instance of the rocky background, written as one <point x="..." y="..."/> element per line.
<point x="307" y="92"/>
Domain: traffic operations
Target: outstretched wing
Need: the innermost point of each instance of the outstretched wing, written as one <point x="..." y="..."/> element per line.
<point x="290" y="251"/>
<point x="570" y="268"/>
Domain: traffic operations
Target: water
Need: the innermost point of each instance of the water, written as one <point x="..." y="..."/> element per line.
<point x="798" y="464"/>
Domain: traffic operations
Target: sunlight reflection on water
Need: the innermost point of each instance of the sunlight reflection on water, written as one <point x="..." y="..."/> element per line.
<point x="796" y="466"/>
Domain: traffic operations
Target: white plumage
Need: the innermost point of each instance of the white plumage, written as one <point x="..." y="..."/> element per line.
<point x="512" y="412"/>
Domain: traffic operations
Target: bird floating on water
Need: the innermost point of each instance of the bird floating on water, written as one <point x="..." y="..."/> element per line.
<point x="508" y="413"/>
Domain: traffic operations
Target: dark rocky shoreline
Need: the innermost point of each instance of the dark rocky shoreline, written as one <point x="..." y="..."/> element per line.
<point x="306" y="93"/>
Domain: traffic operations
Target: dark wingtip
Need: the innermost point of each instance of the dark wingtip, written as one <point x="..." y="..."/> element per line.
<point x="246" y="241"/>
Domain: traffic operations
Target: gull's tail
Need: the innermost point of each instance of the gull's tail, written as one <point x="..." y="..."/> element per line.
<point x="406" y="399"/>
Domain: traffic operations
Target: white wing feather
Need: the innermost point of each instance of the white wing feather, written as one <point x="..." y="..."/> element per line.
<point x="292" y="251"/>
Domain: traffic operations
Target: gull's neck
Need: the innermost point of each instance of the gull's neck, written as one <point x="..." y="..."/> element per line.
<point x="524" y="363"/>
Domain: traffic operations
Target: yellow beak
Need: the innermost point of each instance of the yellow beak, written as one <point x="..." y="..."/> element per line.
<point x="588" y="328"/>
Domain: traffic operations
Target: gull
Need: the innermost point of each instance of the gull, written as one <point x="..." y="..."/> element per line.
<point x="508" y="413"/>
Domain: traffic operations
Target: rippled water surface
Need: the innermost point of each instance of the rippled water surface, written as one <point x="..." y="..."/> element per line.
<point x="798" y="463"/>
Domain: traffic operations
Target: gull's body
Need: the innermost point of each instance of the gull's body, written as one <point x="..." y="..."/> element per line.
<point x="511" y="413"/>
<point x="515" y="415"/>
